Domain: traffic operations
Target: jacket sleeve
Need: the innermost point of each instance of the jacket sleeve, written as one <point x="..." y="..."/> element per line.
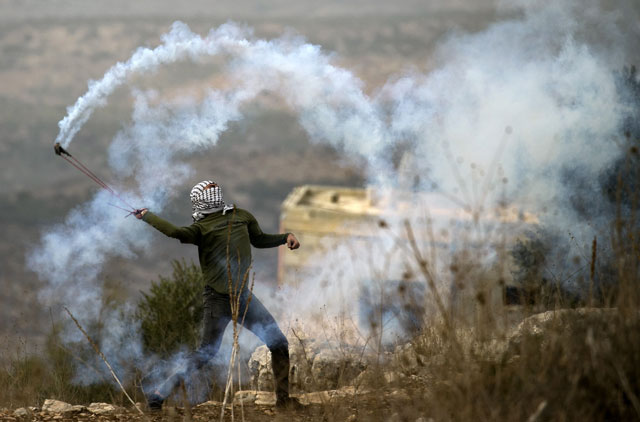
<point x="262" y="240"/>
<point x="188" y="234"/>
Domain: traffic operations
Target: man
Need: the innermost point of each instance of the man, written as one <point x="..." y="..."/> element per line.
<point x="224" y="235"/>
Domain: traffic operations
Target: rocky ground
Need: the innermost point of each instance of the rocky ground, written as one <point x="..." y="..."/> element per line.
<point x="333" y="384"/>
<point x="332" y="381"/>
<point x="335" y="405"/>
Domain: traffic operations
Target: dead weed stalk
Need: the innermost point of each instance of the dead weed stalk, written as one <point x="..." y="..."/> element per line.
<point x="236" y="296"/>
<point x="104" y="359"/>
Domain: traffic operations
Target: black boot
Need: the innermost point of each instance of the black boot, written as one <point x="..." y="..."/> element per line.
<point x="154" y="401"/>
<point x="280" y="365"/>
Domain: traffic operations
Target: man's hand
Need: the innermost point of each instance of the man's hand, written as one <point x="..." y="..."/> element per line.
<point x="140" y="213"/>
<point x="292" y="242"/>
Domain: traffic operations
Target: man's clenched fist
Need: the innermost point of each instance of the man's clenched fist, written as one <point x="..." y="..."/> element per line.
<point x="292" y="242"/>
<point x="140" y="213"/>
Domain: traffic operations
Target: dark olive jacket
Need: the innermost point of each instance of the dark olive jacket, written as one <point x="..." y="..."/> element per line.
<point x="224" y="244"/>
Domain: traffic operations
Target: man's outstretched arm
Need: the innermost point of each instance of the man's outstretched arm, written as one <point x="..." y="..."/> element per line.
<point x="264" y="240"/>
<point x="188" y="234"/>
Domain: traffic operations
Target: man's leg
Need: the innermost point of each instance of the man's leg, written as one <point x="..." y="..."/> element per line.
<point x="263" y="325"/>
<point x="217" y="314"/>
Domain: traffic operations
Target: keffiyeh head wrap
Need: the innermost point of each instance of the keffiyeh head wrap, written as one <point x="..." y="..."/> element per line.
<point x="207" y="201"/>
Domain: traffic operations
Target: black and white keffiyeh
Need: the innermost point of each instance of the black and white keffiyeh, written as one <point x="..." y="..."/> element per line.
<point x="207" y="201"/>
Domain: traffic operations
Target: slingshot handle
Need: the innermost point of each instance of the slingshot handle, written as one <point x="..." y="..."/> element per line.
<point x="59" y="150"/>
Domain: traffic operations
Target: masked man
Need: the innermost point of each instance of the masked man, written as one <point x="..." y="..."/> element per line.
<point x="224" y="235"/>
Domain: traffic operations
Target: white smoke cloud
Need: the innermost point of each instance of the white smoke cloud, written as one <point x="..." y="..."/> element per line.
<point x="552" y="95"/>
<point x="503" y="113"/>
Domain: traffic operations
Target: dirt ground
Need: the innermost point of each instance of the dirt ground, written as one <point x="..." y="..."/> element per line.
<point x="374" y="406"/>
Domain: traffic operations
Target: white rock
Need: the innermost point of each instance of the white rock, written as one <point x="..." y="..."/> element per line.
<point x="22" y="412"/>
<point x="101" y="408"/>
<point x="393" y="376"/>
<point x="326" y="369"/>
<point x="399" y="395"/>
<point x="56" y="406"/>
<point x="547" y="325"/>
<point x="245" y="397"/>
<point x="324" y="397"/>
<point x="210" y="403"/>
<point x="375" y="378"/>
<point x="317" y="397"/>
<point x="313" y="366"/>
<point x="332" y="367"/>
<point x="264" y="398"/>
<point x="260" y="368"/>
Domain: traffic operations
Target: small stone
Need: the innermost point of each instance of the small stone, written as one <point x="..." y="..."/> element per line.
<point x="352" y="418"/>
<point x="245" y="397"/>
<point x="399" y="395"/>
<point x="318" y="397"/>
<point x="22" y="412"/>
<point x="56" y="406"/>
<point x="392" y="376"/>
<point x="209" y="403"/>
<point x="264" y="398"/>
<point x="101" y="408"/>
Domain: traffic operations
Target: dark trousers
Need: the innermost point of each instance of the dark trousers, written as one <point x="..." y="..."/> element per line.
<point x="217" y="315"/>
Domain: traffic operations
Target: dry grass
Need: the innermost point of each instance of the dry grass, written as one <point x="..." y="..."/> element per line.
<point x="30" y="377"/>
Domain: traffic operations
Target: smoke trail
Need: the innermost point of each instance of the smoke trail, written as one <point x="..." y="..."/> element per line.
<point x="329" y="100"/>
<point x="178" y="44"/>
<point x="505" y="113"/>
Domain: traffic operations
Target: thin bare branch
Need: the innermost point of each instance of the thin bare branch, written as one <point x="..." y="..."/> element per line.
<point x="104" y="358"/>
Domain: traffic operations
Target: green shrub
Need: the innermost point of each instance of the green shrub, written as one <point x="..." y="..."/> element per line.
<point x="171" y="312"/>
